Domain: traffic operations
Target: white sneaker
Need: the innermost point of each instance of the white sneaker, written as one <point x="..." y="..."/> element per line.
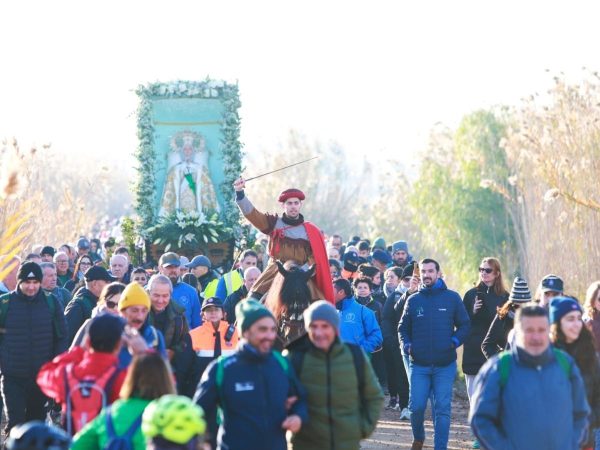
<point x="405" y="414"/>
<point x="396" y="407"/>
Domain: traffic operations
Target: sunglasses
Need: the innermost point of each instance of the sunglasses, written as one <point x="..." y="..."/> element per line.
<point x="485" y="269"/>
<point x="110" y="304"/>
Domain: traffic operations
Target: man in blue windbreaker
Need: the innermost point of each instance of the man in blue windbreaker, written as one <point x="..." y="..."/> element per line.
<point x="358" y="324"/>
<point x="434" y="324"/>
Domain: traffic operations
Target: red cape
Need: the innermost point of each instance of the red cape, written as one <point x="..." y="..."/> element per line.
<point x="323" y="275"/>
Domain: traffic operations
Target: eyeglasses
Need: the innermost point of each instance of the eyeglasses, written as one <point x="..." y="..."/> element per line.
<point x="485" y="269"/>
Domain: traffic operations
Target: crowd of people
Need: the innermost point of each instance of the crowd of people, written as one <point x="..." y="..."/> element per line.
<point x="182" y="354"/>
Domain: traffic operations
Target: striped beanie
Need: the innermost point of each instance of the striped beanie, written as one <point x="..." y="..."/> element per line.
<point x="520" y="292"/>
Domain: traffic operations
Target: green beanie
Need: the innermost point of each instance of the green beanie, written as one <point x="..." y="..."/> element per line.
<point x="249" y="311"/>
<point x="379" y="243"/>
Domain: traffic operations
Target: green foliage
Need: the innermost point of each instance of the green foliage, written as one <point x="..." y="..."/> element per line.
<point x="191" y="230"/>
<point x="129" y="231"/>
<point x="459" y="217"/>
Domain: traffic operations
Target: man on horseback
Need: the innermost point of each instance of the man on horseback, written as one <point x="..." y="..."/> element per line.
<point x="290" y="238"/>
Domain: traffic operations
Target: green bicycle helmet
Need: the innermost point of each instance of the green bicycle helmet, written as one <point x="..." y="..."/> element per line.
<point x="174" y="418"/>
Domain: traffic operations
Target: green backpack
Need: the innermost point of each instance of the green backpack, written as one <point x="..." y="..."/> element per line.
<point x="505" y="363"/>
<point x="50" y="300"/>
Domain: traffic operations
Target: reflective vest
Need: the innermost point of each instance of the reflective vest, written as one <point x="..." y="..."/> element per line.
<point x="203" y="340"/>
<point x="211" y="289"/>
<point x="233" y="281"/>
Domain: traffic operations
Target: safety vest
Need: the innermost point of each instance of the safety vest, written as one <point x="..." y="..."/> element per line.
<point x="211" y="289"/>
<point x="203" y="340"/>
<point x="233" y="281"/>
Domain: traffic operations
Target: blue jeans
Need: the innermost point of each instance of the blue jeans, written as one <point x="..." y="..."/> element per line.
<point x="406" y="362"/>
<point x="438" y="381"/>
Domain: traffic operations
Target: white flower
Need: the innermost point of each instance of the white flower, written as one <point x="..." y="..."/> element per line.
<point x="189" y="237"/>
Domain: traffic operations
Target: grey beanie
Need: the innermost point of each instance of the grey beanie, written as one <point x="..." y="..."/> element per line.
<point x="322" y="310"/>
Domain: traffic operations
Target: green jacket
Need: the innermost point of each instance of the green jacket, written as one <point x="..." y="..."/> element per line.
<point x="335" y="420"/>
<point x="124" y="412"/>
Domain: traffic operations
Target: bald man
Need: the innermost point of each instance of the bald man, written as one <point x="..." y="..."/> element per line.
<point x="251" y="274"/>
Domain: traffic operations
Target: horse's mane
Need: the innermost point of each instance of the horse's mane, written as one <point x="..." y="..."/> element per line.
<point x="282" y="295"/>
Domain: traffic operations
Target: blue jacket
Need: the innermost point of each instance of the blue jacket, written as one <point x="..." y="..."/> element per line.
<point x="434" y="324"/>
<point x="153" y="337"/>
<point x="359" y="326"/>
<point x="187" y="296"/>
<point x="253" y="396"/>
<point x="540" y="406"/>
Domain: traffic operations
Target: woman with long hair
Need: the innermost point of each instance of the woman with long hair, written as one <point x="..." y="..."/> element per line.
<point x="107" y="304"/>
<point x="591" y="310"/>
<point x="81" y="266"/>
<point x="497" y="337"/>
<point x="568" y="333"/>
<point x="148" y="378"/>
<point x="482" y="303"/>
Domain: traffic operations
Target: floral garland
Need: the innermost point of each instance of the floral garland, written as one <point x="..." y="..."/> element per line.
<point x="232" y="149"/>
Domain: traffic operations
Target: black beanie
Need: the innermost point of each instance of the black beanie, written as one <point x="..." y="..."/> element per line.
<point x="30" y="271"/>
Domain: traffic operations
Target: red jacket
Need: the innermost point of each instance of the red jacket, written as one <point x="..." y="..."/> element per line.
<point x="51" y="377"/>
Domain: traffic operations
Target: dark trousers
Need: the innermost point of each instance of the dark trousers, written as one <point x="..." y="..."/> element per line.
<point x="396" y="374"/>
<point x="379" y="366"/>
<point x="23" y="401"/>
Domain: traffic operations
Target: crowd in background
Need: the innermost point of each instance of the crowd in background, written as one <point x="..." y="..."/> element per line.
<point x="147" y="336"/>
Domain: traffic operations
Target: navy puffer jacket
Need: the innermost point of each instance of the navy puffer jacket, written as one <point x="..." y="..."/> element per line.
<point x="433" y="325"/>
<point x="30" y="339"/>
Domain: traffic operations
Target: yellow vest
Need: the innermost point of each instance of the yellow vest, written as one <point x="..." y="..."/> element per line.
<point x="233" y="281"/>
<point x="211" y="289"/>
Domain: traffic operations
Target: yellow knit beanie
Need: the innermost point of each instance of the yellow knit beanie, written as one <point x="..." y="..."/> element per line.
<point x="134" y="295"/>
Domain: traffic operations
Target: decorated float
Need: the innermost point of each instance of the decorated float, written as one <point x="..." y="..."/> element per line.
<point x="189" y="155"/>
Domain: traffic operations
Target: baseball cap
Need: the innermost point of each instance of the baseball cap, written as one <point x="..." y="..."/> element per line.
<point x="169" y="259"/>
<point x="83" y="243"/>
<point x="212" y="301"/>
<point x="98" y="273"/>
<point x="199" y="260"/>
<point x="552" y="283"/>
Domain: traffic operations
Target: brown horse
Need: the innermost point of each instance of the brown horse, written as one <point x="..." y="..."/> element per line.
<point x="287" y="299"/>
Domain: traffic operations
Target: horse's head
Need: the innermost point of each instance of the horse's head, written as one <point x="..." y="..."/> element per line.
<point x="295" y="284"/>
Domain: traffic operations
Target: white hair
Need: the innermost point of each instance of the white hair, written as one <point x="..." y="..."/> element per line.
<point x="114" y="257"/>
<point x="249" y="270"/>
<point x="159" y="279"/>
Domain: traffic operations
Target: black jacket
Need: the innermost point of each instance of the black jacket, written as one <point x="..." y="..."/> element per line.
<point x="232" y="300"/>
<point x="497" y="336"/>
<point x="473" y="357"/>
<point x="79" y="310"/>
<point x="32" y="337"/>
<point x="390" y="318"/>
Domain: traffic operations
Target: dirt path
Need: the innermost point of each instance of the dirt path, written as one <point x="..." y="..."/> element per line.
<point x="392" y="433"/>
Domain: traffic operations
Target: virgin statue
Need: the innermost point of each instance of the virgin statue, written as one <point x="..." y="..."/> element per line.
<point x="188" y="186"/>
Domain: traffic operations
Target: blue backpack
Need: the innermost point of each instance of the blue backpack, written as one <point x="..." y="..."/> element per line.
<point x="125" y="441"/>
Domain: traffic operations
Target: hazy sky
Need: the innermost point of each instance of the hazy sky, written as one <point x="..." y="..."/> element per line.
<point x="373" y="76"/>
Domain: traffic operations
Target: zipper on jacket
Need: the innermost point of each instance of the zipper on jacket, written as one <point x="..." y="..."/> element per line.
<point x="329" y="414"/>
